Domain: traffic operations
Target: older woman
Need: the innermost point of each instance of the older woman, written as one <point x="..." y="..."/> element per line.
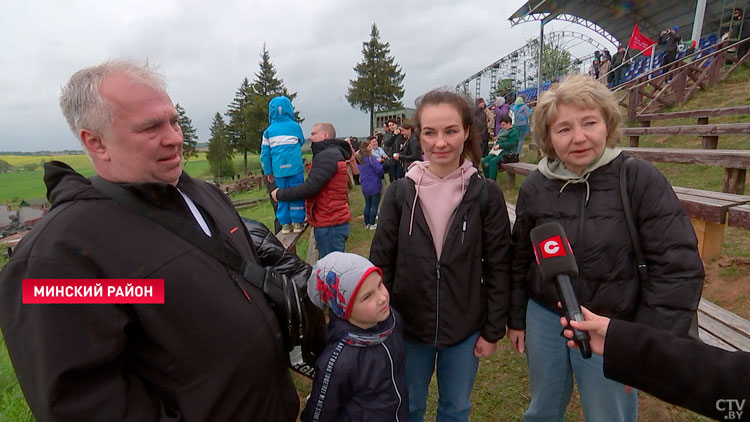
<point x="577" y="185"/>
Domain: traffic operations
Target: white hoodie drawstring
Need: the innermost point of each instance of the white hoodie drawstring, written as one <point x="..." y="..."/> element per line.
<point x="584" y="179"/>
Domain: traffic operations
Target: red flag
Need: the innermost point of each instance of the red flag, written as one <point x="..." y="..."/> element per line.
<point x="641" y="42"/>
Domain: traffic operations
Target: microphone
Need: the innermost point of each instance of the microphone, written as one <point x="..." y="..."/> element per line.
<point x="556" y="264"/>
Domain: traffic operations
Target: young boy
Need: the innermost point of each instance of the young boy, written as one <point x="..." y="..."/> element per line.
<point x="281" y="160"/>
<point x="360" y="374"/>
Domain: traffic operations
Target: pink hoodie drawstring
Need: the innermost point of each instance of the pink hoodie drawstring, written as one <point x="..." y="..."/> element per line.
<point x="464" y="184"/>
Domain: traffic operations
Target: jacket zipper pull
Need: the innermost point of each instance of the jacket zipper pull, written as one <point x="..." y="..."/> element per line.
<point x="437" y="268"/>
<point x="237" y="282"/>
<point x="463" y="230"/>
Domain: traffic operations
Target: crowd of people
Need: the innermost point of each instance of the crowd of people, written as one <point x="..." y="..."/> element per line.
<point x="446" y="279"/>
<point x="607" y="68"/>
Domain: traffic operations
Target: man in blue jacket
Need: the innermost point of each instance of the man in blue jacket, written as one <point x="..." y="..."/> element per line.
<point x="281" y="160"/>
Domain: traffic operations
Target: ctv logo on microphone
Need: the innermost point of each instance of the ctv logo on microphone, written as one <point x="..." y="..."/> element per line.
<point x="552" y="247"/>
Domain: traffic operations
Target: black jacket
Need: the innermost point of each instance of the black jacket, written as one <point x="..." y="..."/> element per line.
<point x="480" y="120"/>
<point x="207" y="353"/>
<point x="392" y="143"/>
<point x="360" y="374"/>
<point x="326" y="155"/>
<point x="669" y="39"/>
<point x="325" y="190"/>
<point x="608" y="281"/>
<point x="443" y="302"/>
<point x="617" y="59"/>
<point x="411" y="151"/>
<point x="684" y="372"/>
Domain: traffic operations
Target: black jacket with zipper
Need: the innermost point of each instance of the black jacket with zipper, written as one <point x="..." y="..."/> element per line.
<point x="445" y="301"/>
<point x="360" y="374"/>
<point x="209" y="352"/>
<point x="608" y="281"/>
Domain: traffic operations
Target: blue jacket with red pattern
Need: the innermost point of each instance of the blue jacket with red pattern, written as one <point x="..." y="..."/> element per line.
<point x="360" y="374"/>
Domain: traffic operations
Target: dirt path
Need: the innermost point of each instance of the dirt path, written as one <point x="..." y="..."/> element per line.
<point x="728" y="284"/>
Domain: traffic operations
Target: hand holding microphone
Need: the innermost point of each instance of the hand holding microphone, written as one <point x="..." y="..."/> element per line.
<point x="556" y="264"/>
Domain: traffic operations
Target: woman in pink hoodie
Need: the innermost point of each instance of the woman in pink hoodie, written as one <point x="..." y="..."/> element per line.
<point x="443" y="243"/>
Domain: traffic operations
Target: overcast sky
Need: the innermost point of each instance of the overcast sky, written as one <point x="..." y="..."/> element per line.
<point x="205" y="49"/>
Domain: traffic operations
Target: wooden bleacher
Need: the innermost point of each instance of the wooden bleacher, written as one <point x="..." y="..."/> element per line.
<point x="655" y="90"/>
<point x="708" y="212"/>
<point x="709" y="132"/>
<point x="735" y="162"/>
<point x="726" y="158"/>
<point x="722" y="328"/>
<point x="702" y="115"/>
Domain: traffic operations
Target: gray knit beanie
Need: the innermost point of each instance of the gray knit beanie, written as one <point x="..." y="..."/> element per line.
<point x="335" y="280"/>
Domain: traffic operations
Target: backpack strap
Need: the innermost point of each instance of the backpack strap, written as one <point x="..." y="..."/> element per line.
<point x="632" y="229"/>
<point x="637" y="248"/>
<point x="484" y="199"/>
<point x="400" y="198"/>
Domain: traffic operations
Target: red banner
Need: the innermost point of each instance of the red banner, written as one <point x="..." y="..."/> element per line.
<point x="93" y="291"/>
<point x="641" y="42"/>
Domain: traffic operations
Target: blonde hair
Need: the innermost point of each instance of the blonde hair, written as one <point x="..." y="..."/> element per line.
<point x="584" y="92"/>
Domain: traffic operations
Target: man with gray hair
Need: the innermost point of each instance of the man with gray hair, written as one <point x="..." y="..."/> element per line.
<point x="211" y="350"/>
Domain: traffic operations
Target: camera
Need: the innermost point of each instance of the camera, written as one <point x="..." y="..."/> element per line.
<point x="302" y="323"/>
<point x="284" y="298"/>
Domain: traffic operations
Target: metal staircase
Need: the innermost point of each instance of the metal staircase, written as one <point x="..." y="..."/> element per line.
<point x="731" y="18"/>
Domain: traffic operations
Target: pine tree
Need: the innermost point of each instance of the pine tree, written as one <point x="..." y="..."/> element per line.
<point x="265" y="87"/>
<point x="266" y="84"/>
<point x="238" y="129"/>
<point x="248" y="112"/>
<point x="379" y="83"/>
<point x="220" y="151"/>
<point x="189" y="137"/>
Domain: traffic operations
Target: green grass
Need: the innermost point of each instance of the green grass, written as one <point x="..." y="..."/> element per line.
<point x="17" y="186"/>
<point x="730" y="272"/>
<point x="13" y="406"/>
<point x="736" y="242"/>
<point x="259" y="192"/>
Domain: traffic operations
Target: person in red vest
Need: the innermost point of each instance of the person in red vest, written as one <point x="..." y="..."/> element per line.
<point x="325" y="190"/>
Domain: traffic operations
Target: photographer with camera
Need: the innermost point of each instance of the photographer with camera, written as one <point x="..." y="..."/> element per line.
<point x="213" y="349"/>
<point x="670" y="40"/>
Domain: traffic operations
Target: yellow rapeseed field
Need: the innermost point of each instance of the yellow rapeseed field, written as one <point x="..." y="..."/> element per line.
<point x="78" y="161"/>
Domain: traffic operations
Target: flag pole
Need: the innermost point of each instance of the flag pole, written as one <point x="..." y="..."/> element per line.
<point x="653" y="54"/>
